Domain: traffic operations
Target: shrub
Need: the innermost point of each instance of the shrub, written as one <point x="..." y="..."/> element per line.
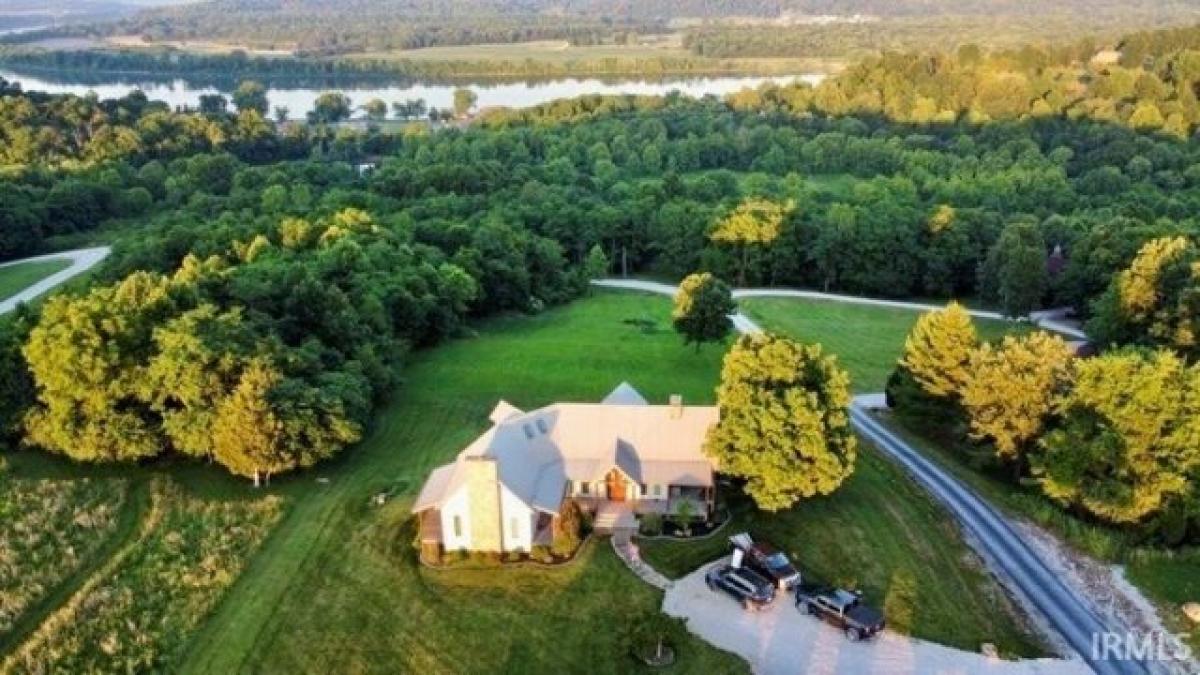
<point x="567" y="528"/>
<point x="541" y="554"/>
<point x="652" y="524"/>
<point x="453" y="556"/>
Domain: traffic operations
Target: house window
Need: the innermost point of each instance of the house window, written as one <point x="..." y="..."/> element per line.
<point x="583" y="488"/>
<point x="658" y="490"/>
<point x="642" y="489"/>
<point x="458" y="526"/>
<point x="514" y="528"/>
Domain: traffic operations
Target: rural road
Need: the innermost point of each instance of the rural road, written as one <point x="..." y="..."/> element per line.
<point x="82" y="260"/>
<point x="1002" y="547"/>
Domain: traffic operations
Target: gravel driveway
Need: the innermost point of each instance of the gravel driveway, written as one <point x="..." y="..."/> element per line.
<point x="782" y="640"/>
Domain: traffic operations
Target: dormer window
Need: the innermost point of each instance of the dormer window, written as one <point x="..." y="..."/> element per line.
<point x="541" y="426"/>
<point x="528" y="431"/>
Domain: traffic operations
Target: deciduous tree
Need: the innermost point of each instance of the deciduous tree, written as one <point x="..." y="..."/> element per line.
<point x="1129" y="443"/>
<point x="1012" y="389"/>
<point x="755" y="222"/>
<point x="938" y="350"/>
<point x="785" y="424"/>
<point x="702" y="308"/>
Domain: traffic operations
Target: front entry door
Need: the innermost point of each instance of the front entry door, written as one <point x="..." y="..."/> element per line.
<point x="616" y="486"/>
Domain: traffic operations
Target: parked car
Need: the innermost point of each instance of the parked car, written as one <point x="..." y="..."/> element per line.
<point x="841" y="608"/>
<point x="767" y="561"/>
<point x="748" y="588"/>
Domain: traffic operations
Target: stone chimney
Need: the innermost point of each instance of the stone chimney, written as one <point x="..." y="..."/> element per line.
<point x="676" y="406"/>
<point x="483" y="503"/>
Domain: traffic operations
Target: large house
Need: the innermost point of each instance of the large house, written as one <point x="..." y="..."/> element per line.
<point x="618" y="458"/>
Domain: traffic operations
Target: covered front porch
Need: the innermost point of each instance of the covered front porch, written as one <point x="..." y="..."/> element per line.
<point x="700" y="502"/>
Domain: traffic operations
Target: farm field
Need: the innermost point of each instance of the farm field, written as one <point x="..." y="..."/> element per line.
<point x="15" y="278"/>
<point x="866" y="340"/>
<point x="560" y="52"/>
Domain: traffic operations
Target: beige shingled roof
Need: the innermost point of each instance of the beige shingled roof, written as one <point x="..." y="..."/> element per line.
<point x="539" y="451"/>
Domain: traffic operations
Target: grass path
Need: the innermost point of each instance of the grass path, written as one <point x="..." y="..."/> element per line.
<point x="146" y="517"/>
<point x="15" y="278"/>
<point x="132" y="514"/>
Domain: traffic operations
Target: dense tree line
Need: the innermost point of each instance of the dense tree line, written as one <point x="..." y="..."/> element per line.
<point x="323" y="27"/>
<point x="1114" y="438"/>
<point x="231" y="67"/>
<point x="287" y="291"/>
<point x="256" y="323"/>
<point x="1020" y="84"/>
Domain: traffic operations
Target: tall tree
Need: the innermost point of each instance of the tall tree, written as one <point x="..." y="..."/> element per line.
<point x="464" y="100"/>
<point x="1129" y="443"/>
<point x="755" y="222"/>
<point x="785" y="425"/>
<point x="250" y="95"/>
<point x="938" y="350"/>
<point x="702" y="308"/>
<point x="1155" y="301"/>
<point x="376" y="110"/>
<point x="1012" y="390"/>
<point x="330" y="107"/>
<point x="1015" y="270"/>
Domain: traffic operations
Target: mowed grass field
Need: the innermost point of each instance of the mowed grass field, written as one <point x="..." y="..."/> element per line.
<point x="337" y="588"/>
<point x="16" y="278"/>
<point x="867" y="340"/>
<point x="334" y="586"/>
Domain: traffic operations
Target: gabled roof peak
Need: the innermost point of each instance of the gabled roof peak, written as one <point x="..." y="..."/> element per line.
<point x="624" y="394"/>
<point x="504" y="411"/>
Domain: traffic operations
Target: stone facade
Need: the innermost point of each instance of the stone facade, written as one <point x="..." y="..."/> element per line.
<point x="483" y="490"/>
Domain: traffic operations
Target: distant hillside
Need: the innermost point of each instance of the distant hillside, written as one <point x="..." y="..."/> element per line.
<point x="715" y="28"/>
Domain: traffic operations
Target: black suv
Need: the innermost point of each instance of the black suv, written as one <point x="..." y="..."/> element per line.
<point x="751" y="590"/>
<point x="843" y="609"/>
<point x="767" y="561"/>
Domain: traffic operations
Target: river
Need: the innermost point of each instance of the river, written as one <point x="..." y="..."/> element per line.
<point x="299" y="99"/>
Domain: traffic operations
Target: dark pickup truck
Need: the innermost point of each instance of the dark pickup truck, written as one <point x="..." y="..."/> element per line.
<point x="842" y="609"/>
<point x="767" y="561"/>
<point x="748" y="588"/>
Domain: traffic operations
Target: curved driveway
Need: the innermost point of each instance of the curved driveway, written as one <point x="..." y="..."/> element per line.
<point x="1004" y="549"/>
<point x="82" y="260"/>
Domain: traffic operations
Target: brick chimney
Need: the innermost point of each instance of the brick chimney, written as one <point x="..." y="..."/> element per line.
<point x="483" y="503"/>
<point x="676" y="406"/>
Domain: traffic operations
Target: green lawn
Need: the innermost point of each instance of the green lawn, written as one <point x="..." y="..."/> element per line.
<point x="867" y="340"/>
<point x="16" y="278"/>
<point x="1168" y="579"/>
<point x="336" y="586"/>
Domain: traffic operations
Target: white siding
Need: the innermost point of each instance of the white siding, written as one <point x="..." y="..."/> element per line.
<point x="512" y="508"/>
<point x="456" y="505"/>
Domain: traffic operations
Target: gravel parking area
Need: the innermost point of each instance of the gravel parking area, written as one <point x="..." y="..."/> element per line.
<point x="782" y="640"/>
